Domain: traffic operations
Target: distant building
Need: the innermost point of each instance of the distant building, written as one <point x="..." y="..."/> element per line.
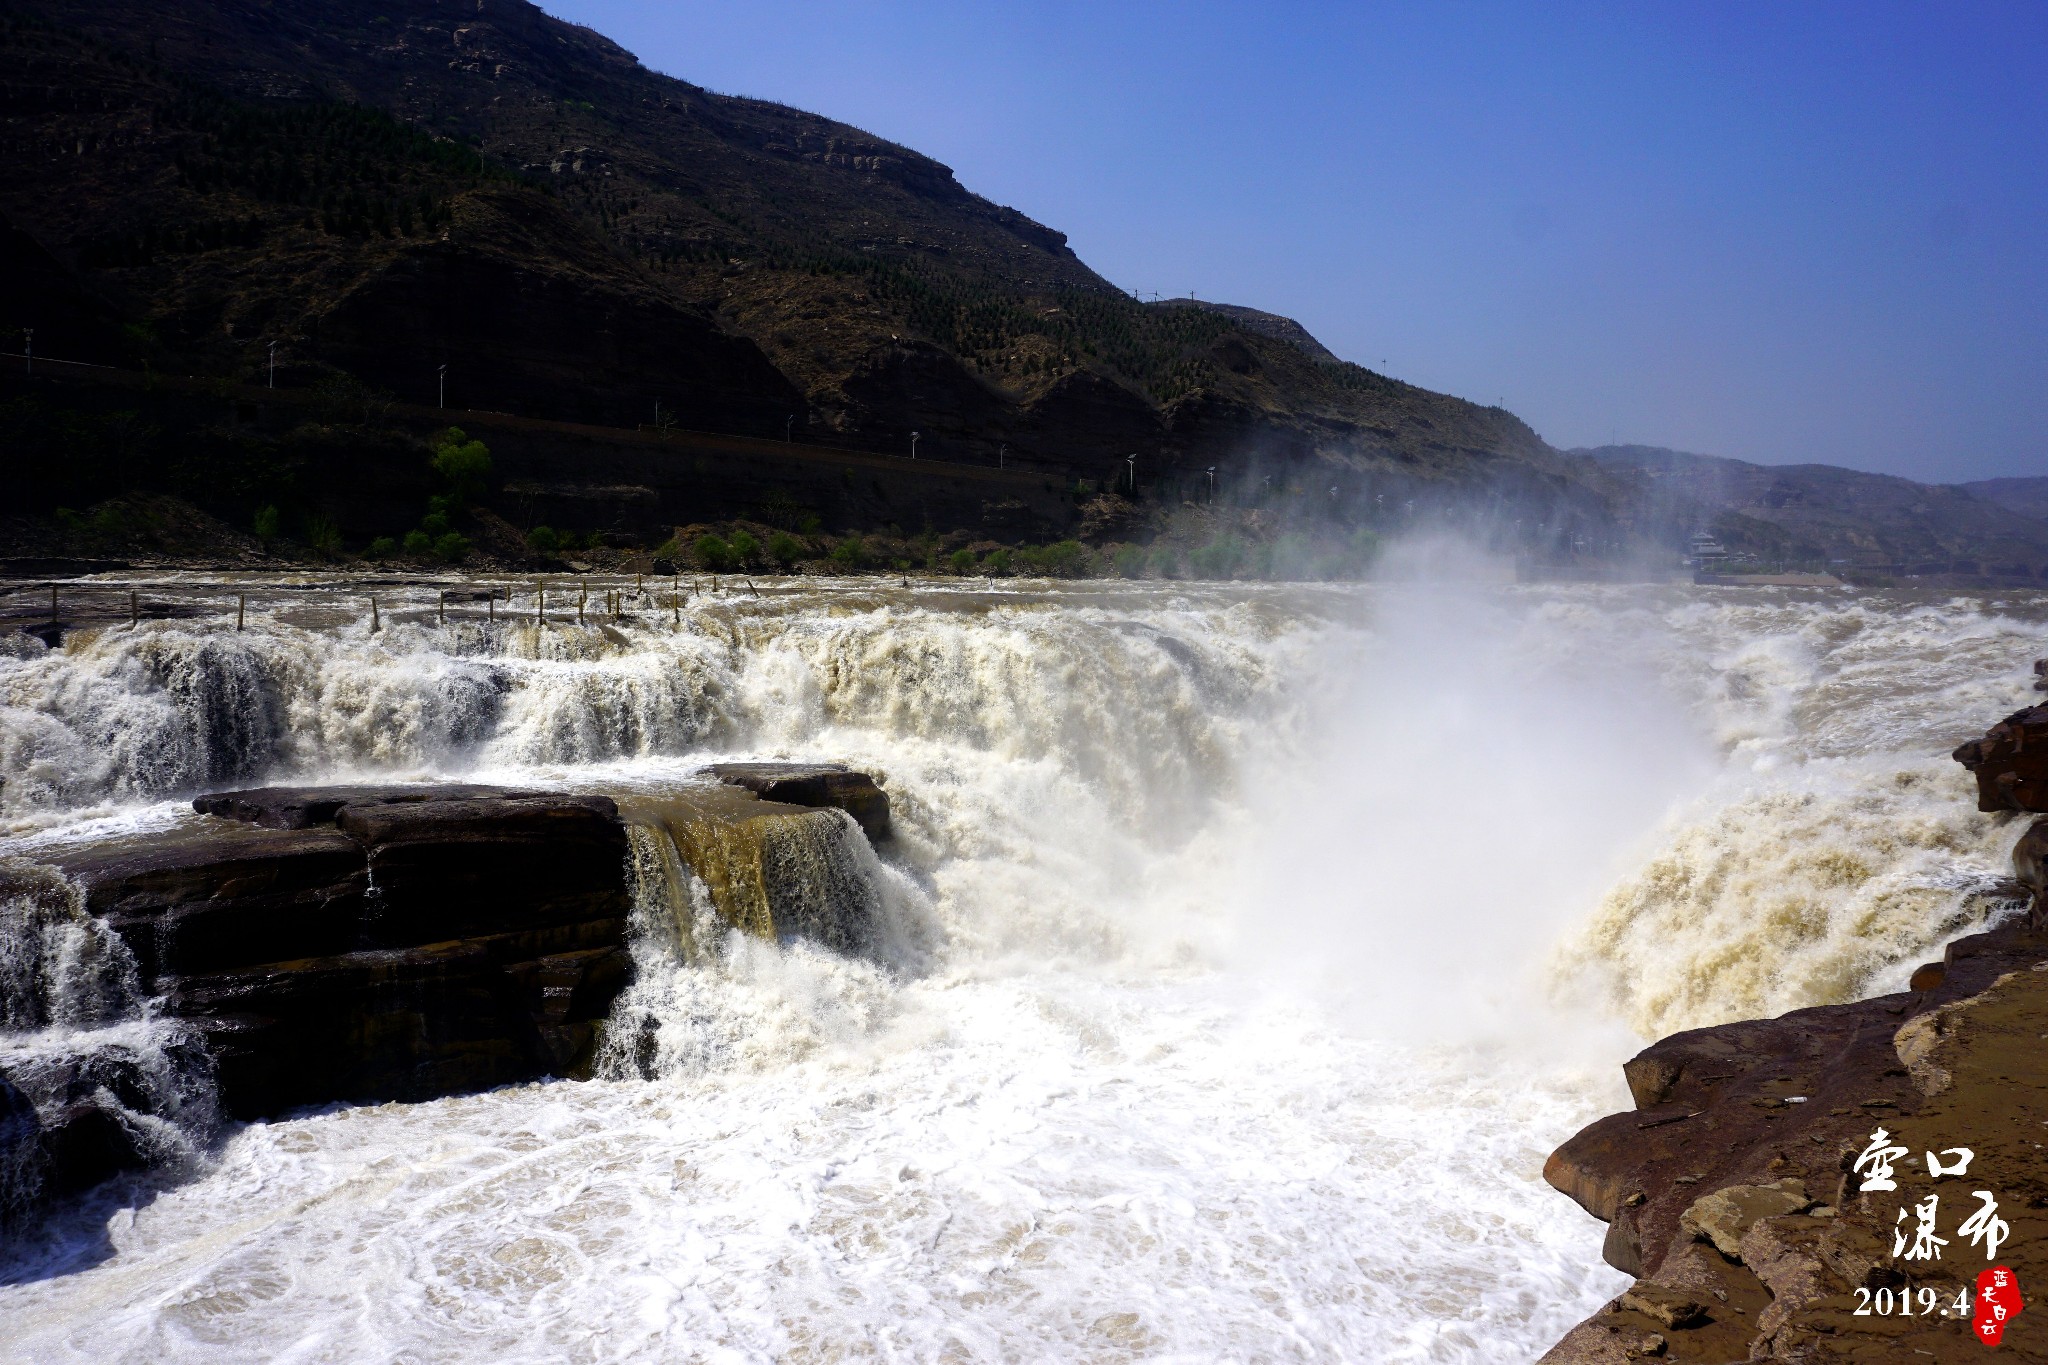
<point x="1705" y="550"/>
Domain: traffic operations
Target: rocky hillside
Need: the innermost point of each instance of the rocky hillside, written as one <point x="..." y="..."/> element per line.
<point x="2028" y="497"/>
<point x="1813" y="514"/>
<point x="386" y="188"/>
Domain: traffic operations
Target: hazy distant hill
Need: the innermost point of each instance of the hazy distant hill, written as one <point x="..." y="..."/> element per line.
<point x="1821" y="512"/>
<point x="2028" y="497"/>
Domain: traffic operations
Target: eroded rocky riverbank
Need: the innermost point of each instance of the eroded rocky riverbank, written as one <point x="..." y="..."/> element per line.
<point x="1739" y="1190"/>
<point x="296" y="946"/>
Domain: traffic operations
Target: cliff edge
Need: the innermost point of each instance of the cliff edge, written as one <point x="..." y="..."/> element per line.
<point x="1829" y="1186"/>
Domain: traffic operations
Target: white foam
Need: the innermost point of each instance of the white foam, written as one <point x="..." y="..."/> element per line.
<point x="1184" y="859"/>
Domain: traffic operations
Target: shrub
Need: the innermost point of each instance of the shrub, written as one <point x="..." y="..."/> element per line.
<point x="668" y="549"/>
<point x="323" y="535"/>
<point x="997" y="562"/>
<point x="452" y="548"/>
<point x="1222" y="557"/>
<point x="383" y="547"/>
<point x="268" y="523"/>
<point x="418" y="543"/>
<point x="714" y="553"/>
<point x="811" y="525"/>
<point x="345" y="400"/>
<point x="114" y="519"/>
<point x="435" y="524"/>
<point x="785" y="549"/>
<point x="465" y="465"/>
<point x="850" y="553"/>
<point x="1062" y="559"/>
<point x="543" y="540"/>
<point x="745" y="549"/>
<point x="961" y="561"/>
<point x="1130" y="561"/>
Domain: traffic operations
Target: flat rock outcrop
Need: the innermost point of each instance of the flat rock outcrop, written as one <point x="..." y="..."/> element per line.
<point x="375" y="943"/>
<point x="1736" y="1190"/>
<point x="813" y="784"/>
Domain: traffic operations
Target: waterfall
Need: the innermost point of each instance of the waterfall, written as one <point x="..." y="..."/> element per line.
<point x="80" y="1047"/>
<point x="715" y="874"/>
<point x="1215" y="919"/>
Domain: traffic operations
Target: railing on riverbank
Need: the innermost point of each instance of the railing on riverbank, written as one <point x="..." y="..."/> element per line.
<point x="53" y="608"/>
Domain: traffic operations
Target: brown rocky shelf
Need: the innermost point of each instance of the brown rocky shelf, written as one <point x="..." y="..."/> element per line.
<point x="369" y="943"/>
<point x="1732" y="1191"/>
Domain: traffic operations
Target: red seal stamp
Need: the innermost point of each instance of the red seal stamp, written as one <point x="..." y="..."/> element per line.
<point x="1998" y="1303"/>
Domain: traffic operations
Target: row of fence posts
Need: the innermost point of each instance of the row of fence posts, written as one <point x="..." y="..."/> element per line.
<point x="614" y="602"/>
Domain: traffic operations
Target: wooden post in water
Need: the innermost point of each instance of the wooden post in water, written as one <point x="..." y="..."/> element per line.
<point x="582" y="596"/>
<point x="638" y="586"/>
<point x="53" y="604"/>
<point x="134" y="612"/>
<point x="443" y="608"/>
<point x="241" y="608"/>
<point x="491" y="606"/>
<point x="540" y="601"/>
<point x="374" y="625"/>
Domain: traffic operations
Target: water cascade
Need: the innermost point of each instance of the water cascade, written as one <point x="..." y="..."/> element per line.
<point x="1240" y="953"/>
<point x="89" y="1078"/>
<point x="770" y="870"/>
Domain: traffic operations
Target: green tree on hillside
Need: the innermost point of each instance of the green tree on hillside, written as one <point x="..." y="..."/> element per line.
<point x="464" y="465"/>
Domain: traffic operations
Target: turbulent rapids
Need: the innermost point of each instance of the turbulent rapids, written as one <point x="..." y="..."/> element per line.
<point x="1236" y="956"/>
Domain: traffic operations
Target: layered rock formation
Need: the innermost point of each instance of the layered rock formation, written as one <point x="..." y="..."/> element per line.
<point x="408" y="942"/>
<point x="1738" y="1190"/>
<point x="304" y="945"/>
<point x="813" y="784"/>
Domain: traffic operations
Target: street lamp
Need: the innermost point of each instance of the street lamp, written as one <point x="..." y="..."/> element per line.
<point x="913" y="443"/>
<point x="1002" y="451"/>
<point x="1132" y="461"/>
<point x="273" y="364"/>
<point x="1212" y="483"/>
<point x="444" y="386"/>
<point x="28" y="347"/>
<point x="788" y="429"/>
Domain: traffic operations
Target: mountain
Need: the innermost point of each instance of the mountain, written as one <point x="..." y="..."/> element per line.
<point x="390" y="199"/>
<point x="2028" y="497"/>
<point x="1812" y="512"/>
<point x="386" y="186"/>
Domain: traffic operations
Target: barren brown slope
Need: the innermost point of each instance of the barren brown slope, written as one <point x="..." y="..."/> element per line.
<point x="887" y="297"/>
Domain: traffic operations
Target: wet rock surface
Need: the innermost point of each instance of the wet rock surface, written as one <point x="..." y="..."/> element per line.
<point x="813" y="784"/>
<point x="305" y="945"/>
<point x="1733" y="1193"/>
<point x="2010" y="762"/>
<point x="374" y="943"/>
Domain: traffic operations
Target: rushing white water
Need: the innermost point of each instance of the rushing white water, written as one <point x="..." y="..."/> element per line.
<point x="1249" y="949"/>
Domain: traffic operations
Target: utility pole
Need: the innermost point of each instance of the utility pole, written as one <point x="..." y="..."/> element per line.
<point x="273" y="364"/>
<point x="1002" y="451"/>
<point x="1132" y="461"/>
<point x="1212" y="483"/>
<point x="444" y="386"/>
<point x="789" y="429"/>
<point x="913" y="443"/>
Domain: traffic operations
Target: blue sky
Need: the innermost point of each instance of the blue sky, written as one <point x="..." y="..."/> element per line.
<point x="1783" y="232"/>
